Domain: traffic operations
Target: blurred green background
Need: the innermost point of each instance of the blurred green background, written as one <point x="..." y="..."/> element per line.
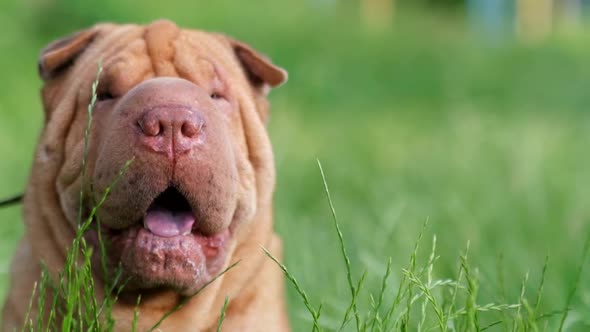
<point x="463" y="114"/>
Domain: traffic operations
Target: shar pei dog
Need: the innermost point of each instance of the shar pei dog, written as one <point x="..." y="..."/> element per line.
<point x="190" y="109"/>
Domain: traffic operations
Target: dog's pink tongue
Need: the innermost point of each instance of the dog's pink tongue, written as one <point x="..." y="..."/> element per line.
<point x="166" y="223"/>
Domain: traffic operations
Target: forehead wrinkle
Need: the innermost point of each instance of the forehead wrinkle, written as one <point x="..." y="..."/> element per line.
<point x="196" y="62"/>
<point x="113" y="42"/>
<point x="201" y="47"/>
<point x="128" y="67"/>
<point x="210" y="48"/>
<point x="194" y="68"/>
<point x="226" y="62"/>
<point x="159" y="39"/>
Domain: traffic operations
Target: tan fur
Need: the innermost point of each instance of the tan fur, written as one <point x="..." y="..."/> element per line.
<point x="230" y="176"/>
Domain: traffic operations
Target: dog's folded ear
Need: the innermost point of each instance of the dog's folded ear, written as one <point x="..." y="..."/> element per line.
<point x="259" y="69"/>
<point x="59" y="54"/>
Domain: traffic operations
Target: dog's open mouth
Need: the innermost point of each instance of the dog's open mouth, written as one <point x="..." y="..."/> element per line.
<point x="169" y="215"/>
<point x="166" y="248"/>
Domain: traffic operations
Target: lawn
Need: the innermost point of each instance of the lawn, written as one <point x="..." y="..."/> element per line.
<point x="486" y="142"/>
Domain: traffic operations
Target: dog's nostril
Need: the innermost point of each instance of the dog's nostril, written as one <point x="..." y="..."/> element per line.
<point x="150" y="126"/>
<point x="190" y="129"/>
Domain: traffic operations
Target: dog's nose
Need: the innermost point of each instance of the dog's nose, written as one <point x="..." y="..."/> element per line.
<point x="171" y="130"/>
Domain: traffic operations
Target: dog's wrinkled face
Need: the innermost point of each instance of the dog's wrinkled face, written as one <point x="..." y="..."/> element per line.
<point x="175" y="103"/>
<point x="170" y="219"/>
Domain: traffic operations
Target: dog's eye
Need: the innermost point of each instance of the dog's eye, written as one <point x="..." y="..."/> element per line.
<point x="220" y="101"/>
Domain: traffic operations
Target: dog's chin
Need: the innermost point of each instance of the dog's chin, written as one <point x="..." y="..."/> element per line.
<point x="147" y="261"/>
<point x="165" y="250"/>
<point x="183" y="262"/>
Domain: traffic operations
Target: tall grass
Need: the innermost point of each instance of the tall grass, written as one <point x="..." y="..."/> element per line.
<point x="430" y="303"/>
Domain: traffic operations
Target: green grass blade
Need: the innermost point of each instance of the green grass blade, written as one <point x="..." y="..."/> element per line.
<point x="518" y="320"/>
<point x="135" y="314"/>
<point x="29" y="309"/>
<point x="314" y="314"/>
<point x="429" y="297"/>
<point x="576" y="283"/>
<point x="376" y="321"/>
<point x="343" y="251"/>
<point x="404" y="288"/>
<point x="222" y="317"/>
<point x="87" y="137"/>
